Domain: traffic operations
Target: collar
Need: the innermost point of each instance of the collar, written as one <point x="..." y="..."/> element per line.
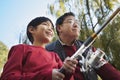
<point x="62" y="43"/>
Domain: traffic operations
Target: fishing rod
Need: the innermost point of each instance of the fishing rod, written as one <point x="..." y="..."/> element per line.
<point x="79" y="53"/>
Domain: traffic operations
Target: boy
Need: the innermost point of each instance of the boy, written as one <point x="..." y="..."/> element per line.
<point x="34" y="62"/>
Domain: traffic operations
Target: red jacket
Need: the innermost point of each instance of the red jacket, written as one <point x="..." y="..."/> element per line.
<point x="27" y="62"/>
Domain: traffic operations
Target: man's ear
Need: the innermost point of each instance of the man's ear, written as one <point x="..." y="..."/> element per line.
<point x="31" y="29"/>
<point x="58" y="28"/>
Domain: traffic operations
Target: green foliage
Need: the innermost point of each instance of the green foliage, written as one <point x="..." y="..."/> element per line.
<point x="3" y="54"/>
<point x="110" y="41"/>
<point x="93" y="14"/>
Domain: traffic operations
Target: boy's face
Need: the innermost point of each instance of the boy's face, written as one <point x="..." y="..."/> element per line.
<point x="43" y="33"/>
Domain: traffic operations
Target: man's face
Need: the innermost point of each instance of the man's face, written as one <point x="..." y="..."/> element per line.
<point x="70" y="28"/>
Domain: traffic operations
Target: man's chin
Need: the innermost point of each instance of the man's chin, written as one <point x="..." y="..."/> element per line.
<point x="76" y="36"/>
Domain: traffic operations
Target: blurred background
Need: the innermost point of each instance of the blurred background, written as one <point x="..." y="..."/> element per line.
<point x="16" y="14"/>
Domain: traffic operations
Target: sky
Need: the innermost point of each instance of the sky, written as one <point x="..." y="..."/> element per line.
<point x="16" y="14"/>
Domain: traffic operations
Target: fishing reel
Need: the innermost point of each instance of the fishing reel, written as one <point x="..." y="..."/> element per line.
<point x="92" y="60"/>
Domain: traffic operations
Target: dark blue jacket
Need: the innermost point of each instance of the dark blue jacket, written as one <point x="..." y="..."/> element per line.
<point x="57" y="47"/>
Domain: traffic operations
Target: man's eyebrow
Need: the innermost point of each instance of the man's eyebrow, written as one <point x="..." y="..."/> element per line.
<point x="69" y="19"/>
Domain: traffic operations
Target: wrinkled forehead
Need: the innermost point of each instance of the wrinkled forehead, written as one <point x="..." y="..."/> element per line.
<point x="69" y="18"/>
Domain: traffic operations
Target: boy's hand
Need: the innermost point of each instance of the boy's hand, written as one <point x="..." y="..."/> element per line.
<point x="56" y="75"/>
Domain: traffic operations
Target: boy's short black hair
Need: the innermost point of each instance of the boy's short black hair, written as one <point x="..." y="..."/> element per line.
<point x="34" y="23"/>
<point x="61" y="19"/>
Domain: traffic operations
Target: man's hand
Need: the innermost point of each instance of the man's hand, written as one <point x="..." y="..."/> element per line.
<point x="69" y="65"/>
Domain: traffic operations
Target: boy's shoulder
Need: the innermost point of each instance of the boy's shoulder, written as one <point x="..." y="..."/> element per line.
<point x="20" y="46"/>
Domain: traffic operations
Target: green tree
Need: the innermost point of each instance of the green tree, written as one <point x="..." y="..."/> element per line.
<point x="110" y="41"/>
<point x="92" y="14"/>
<point x="3" y="54"/>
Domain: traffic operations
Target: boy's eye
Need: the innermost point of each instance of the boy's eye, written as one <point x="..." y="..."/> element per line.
<point x="52" y="28"/>
<point x="44" y="23"/>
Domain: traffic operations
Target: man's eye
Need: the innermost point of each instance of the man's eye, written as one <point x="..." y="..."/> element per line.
<point x="70" y="21"/>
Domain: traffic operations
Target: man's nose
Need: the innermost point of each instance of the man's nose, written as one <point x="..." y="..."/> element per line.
<point x="76" y="25"/>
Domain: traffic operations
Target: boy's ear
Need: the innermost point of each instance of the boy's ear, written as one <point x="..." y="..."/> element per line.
<point x="31" y="29"/>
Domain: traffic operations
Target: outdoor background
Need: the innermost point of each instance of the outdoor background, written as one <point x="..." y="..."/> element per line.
<point x="16" y="14"/>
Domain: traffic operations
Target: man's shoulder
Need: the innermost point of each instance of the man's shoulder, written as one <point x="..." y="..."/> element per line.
<point x="52" y="45"/>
